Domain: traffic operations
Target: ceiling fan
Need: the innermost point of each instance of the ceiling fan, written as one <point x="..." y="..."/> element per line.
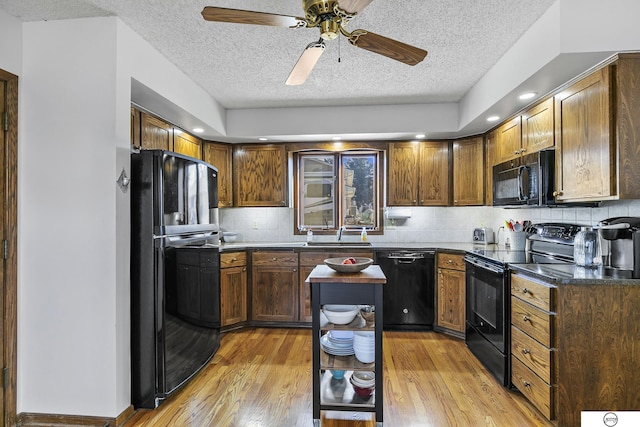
<point x="331" y="17"/>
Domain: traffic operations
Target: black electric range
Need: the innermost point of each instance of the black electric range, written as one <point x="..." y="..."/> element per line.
<point x="488" y="286"/>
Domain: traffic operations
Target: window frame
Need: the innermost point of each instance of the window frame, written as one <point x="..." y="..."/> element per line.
<point x="378" y="178"/>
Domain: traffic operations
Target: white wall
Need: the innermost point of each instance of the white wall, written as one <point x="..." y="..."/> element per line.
<point x="10" y="44"/>
<point x="67" y="240"/>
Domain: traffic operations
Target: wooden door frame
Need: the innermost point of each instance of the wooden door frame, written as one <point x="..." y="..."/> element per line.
<point x="9" y="323"/>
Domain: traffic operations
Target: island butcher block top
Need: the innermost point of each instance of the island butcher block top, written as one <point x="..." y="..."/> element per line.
<point x="325" y="274"/>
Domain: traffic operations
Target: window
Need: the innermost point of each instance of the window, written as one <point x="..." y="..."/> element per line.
<point x="338" y="190"/>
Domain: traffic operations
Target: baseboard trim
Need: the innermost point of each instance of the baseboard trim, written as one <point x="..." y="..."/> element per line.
<point x="29" y="419"/>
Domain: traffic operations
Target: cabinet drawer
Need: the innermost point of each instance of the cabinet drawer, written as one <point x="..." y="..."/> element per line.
<point x="535" y="390"/>
<point x="451" y="261"/>
<point x="534" y="355"/>
<point x="281" y="258"/>
<point x="233" y="259"/>
<point x="311" y="259"/>
<point x="532" y="321"/>
<point x="535" y="293"/>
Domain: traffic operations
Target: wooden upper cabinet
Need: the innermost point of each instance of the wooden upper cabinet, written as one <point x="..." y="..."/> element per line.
<point x="433" y="189"/>
<point x="403" y="174"/>
<point x="184" y="143"/>
<point x="585" y="150"/>
<point x="597" y="123"/>
<point x="510" y="140"/>
<point x="260" y="177"/>
<point x="220" y="155"/>
<point x="537" y="128"/>
<point x="490" y="151"/>
<point x="418" y="174"/>
<point x="468" y="172"/>
<point x="135" y="128"/>
<point x="155" y="134"/>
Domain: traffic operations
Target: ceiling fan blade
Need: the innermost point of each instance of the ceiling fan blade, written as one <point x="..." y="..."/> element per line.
<point x="353" y="6"/>
<point x="237" y="16"/>
<point x="390" y="48"/>
<point x="305" y="64"/>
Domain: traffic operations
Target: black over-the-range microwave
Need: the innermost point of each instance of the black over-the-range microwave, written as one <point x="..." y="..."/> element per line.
<point x="525" y="181"/>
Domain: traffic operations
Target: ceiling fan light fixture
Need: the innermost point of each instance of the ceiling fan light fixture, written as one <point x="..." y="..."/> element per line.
<point x="305" y="64"/>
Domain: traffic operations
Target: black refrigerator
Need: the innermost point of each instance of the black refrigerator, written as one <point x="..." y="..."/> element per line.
<point x="175" y="272"/>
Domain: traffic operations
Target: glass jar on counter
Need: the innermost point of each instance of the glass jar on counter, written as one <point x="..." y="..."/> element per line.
<point x="586" y="248"/>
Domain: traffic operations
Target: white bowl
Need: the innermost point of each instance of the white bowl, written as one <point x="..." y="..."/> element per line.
<point x="229" y="237"/>
<point x="364" y="356"/>
<point x="340" y="314"/>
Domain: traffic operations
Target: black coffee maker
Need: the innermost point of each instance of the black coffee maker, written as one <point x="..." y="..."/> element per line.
<point x="621" y="246"/>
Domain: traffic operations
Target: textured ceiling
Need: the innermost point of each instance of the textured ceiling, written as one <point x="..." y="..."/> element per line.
<point x="244" y="66"/>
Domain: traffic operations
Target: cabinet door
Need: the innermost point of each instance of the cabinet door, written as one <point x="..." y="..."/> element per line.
<point x="233" y="295"/>
<point x="537" y="128"/>
<point x="186" y="144"/>
<point x="451" y="299"/>
<point x="434" y="174"/>
<point x="261" y="175"/>
<point x="491" y="155"/>
<point x="275" y="293"/>
<point x="274" y="286"/>
<point x="402" y="188"/>
<point x="135" y="128"/>
<point x="510" y="139"/>
<point x="219" y="155"/>
<point x="468" y="172"/>
<point x="305" y="314"/>
<point x="155" y="134"/>
<point x="584" y="153"/>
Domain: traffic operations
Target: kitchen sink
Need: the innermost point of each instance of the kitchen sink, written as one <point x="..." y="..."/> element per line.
<point x="339" y="244"/>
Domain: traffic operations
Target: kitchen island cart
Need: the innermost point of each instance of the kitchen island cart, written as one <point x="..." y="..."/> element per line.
<point x="362" y="288"/>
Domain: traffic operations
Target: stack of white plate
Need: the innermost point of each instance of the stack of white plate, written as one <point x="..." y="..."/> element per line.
<point x="364" y="346"/>
<point x="338" y="343"/>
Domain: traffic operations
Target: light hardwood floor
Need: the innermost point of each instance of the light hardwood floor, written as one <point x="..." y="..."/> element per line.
<point x="262" y="378"/>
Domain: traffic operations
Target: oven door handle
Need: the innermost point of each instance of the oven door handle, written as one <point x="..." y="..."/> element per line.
<point x="484" y="266"/>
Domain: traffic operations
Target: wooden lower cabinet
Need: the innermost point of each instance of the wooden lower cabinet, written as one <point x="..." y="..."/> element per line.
<point x="533" y="369"/>
<point x="274" y="286"/>
<point x="450" y="292"/>
<point x="308" y="261"/>
<point x="233" y="288"/>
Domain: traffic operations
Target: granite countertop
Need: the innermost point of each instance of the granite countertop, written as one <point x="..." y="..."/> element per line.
<point x="441" y="246"/>
<point x="572" y="274"/>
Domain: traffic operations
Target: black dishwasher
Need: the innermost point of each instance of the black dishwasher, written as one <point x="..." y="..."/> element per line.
<point x="408" y="295"/>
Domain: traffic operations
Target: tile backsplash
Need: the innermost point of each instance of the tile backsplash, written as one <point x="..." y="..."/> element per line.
<point x="426" y="224"/>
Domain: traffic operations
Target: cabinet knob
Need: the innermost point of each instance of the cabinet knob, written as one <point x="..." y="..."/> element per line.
<point x="274" y="259"/>
<point x="526" y="318"/>
<point x="516" y="152"/>
<point x="526" y="383"/>
<point x="450" y="261"/>
<point x="526" y="351"/>
<point x="415" y="202"/>
<point x="525" y="290"/>
<point x="522" y="150"/>
<point x="282" y="202"/>
<point x="405" y="311"/>
<point x="234" y="259"/>
<point x="244" y="269"/>
<point x="557" y="193"/>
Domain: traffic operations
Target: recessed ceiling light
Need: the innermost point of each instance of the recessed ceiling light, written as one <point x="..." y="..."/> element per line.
<point x="420" y="135"/>
<point x="493" y="118"/>
<point x="336" y="138"/>
<point x="527" y="95"/>
<point x="262" y="138"/>
<point x="198" y="130"/>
